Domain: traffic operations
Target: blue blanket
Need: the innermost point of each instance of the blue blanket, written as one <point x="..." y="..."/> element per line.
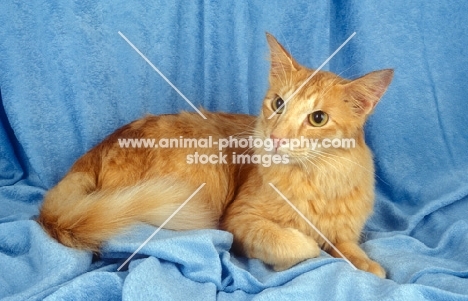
<point x="68" y="79"/>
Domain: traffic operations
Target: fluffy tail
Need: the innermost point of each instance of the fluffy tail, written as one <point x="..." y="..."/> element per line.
<point x="79" y="217"/>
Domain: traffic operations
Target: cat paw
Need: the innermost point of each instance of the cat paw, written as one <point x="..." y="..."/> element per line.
<point x="376" y="269"/>
<point x="299" y="247"/>
<point x="371" y="266"/>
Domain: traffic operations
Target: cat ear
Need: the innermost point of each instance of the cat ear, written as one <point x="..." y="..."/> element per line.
<point x="281" y="61"/>
<point x="366" y="91"/>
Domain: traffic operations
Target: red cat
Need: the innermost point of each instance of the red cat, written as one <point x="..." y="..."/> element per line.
<point x="112" y="187"/>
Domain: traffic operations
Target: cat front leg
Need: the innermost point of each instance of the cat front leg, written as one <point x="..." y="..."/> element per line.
<point x="266" y="240"/>
<point x="353" y="252"/>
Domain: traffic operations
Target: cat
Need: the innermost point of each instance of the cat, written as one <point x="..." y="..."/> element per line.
<point x="112" y="187"/>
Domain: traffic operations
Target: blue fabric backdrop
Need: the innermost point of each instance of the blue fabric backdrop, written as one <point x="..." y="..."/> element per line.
<point x="68" y="79"/>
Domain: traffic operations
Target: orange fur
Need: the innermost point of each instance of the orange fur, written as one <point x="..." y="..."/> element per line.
<point x="332" y="187"/>
<point x="111" y="188"/>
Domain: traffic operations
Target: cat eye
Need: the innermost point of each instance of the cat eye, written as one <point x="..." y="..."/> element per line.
<point x="278" y="103"/>
<point x="318" y="118"/>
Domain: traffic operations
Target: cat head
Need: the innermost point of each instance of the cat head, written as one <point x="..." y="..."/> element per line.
<point x="298" y="105"/>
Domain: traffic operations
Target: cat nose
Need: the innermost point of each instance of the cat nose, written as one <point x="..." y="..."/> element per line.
<point x="276" y="141"/>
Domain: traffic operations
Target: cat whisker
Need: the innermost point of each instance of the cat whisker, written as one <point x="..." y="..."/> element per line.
<point x="247" y="149"/>
<point x="303" y="165"/>
<point x="321" y="155"/>
<point x="325" y="161"/>
<point x="248" y="133"/>
<point x="310" y="160"/>
<point x="349" y="160"/>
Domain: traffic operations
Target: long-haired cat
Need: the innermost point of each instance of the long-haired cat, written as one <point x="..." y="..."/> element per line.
<point x="112" y="187"/>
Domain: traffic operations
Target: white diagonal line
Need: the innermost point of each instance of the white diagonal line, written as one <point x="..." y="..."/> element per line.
<point x="313" y="74"/>
<point x="312" y="225"/>
<point x="160" y="73"/>
<point x="160" y="227"/>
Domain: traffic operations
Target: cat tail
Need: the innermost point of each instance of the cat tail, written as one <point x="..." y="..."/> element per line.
<point x="78" y="216"/>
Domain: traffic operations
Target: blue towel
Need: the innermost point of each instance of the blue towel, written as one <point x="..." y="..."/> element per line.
<point x="68" y="79"/>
